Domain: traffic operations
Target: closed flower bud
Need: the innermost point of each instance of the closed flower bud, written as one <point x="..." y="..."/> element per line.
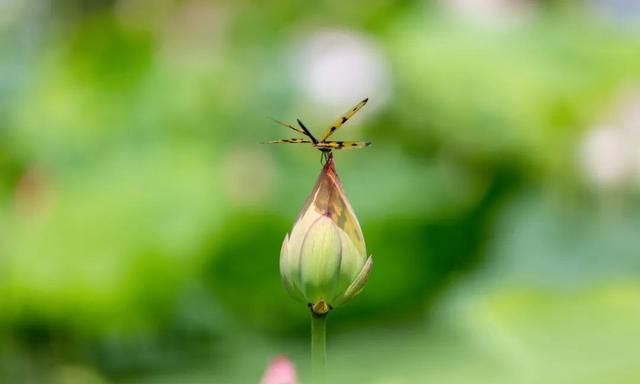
<point x="323" y="261"/>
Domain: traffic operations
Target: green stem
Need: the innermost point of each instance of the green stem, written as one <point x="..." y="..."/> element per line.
<point x="318" y="347"/>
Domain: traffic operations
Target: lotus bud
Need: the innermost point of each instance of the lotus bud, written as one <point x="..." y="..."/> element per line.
<point x="280" y="371"/>
<point x="323" y="261"/>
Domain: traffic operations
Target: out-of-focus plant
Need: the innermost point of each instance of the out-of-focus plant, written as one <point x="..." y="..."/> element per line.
<point x="280" y="371"/>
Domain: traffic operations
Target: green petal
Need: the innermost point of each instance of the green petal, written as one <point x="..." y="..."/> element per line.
<point x="350" y="264"/>
<point x="358" y="284"/>
<point x="320" y="260"/>
<point x="289" y="271"/>
<point x="299" y="232"/>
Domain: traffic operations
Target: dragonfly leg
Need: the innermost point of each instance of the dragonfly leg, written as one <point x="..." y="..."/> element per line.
<point x="325" y="157"/>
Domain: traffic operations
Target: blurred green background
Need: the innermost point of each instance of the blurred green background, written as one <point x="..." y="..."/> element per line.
<point x="141" y="220"/>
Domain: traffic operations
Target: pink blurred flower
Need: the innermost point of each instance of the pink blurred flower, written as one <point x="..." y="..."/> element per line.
<point x="280" y="371"/>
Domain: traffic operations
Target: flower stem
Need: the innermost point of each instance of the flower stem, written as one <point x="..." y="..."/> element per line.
<point x="318" y="347"/>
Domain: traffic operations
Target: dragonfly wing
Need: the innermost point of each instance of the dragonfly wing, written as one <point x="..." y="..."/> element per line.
<point x="344" y="144"/>
<point x="287" y="141"/>
<point x="343" y="119"/>
<point x="289" y="126"/>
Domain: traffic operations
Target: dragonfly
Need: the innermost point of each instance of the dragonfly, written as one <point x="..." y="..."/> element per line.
<point x="323" y="145"/>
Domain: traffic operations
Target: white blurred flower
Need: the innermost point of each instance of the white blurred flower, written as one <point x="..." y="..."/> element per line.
<point x="605" y="158"/>
<point x="610" y="152"/>
<point x="336" y="68"/>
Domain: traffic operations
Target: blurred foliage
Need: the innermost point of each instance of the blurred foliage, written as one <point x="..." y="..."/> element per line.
<point x="140" y="221"/>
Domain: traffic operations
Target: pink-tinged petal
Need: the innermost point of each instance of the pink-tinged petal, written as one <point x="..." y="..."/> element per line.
<point x="280" y="371"/>
<point x="328" y="199"/>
